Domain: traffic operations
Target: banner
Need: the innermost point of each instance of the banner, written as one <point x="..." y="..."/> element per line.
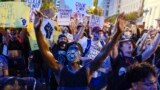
<point x="35" y="5"/>
<point x="47" y="28"/>
<point x="32" y="37"/>
<point x="80" y="9"/>
<point x="96" y="21"/>
<point x="64" y="16"/>
<point x="14" y="14"/>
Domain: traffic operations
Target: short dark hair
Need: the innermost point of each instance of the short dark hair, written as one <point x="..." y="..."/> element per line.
<point x="139" y="71"/>
<point x="78" y="46"/>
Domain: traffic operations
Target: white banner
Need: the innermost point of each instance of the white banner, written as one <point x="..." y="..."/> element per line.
<point x="48" y="28"/>
<point x="96" y="21"/>
<point x="64" y="16"/>
<point x="35" y="5"/>
<point x="80" y="9"/>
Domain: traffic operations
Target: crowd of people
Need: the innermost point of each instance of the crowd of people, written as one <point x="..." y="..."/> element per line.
<point x="119" y="56"/>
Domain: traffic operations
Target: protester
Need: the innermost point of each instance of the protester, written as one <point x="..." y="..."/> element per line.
<point x="17" y="83"/>
<point x="72" y="71"/>
<point x="16" y="60"/>
<point x="142" y="76"/>
<point x="125" y="58"/>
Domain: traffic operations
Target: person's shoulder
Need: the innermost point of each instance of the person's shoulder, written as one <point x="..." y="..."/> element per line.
<point x="83" y="39"/>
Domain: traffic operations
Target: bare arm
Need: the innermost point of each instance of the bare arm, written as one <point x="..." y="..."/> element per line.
<point x="43" y="45"/>
<point x="147" y="53"/>
<point x="114" y="51"/>
<point x="140" y="43"/>
<point x="79" y="34"/>
<point x="97" y="62"/>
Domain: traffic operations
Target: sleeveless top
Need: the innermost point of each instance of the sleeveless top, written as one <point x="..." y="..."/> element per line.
<point x="73" y="81"/>
<point x="15" y="45"/>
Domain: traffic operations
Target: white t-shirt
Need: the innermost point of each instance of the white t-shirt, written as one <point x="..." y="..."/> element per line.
<point x="94" y="49"/>
<point x="69" y="36"/>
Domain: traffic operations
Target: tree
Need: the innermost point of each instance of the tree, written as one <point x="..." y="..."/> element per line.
<point x="95" y="9"/>
<point x="48" y="4"/>
<point x="132" y="16"/>
<point x="112" y="18"/>
<point x="129" y="17"/>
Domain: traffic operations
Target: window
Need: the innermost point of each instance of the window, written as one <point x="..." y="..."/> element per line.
<point x="150" y="11"/>
<point x="106" y="12"/>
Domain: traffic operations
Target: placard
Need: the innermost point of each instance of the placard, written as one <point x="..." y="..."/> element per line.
<point x="14" y="14"/>
<point x="48" y="28"/>
<point x="32" y="37"/>
<point x="80" y="9"/>
<point x="64" y="16"/>
<point x="35" y="4"/>
<point x="93" y="53"/>
<point x="96" y="21"/>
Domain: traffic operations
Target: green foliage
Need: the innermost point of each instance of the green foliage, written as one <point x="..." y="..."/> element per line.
<point x="129" y="17"/>
<point x="48" y="4"/>
<point x="112" y="18"/>
<point x="95" y="9"/>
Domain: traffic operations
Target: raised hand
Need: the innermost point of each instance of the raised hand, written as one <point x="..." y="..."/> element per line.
<point x="38" y="20"/>
<point x="121" y="22"/>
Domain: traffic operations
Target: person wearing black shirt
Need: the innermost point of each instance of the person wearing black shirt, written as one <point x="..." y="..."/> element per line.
<point x="124" y="58"/>
<point x="77" y="78"/>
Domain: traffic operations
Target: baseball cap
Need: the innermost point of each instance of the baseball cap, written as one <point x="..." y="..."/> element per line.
<point x="96" y="29"/>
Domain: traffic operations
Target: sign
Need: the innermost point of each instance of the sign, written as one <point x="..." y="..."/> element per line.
<point x="35" y="4"/>
<point x="93" y="52"/>
<point x="64" y="16"/>
<point x="47" y="28"/>
<point x="96" y="21"/>
<point x="32" y="37"/>
<point x="14" y="14"/>
<point x="80" y="9"/>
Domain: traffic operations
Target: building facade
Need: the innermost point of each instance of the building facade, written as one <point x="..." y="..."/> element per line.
<point x="151" y="12"/>
<point x="105" y="6"/>
<point x="109" y="7"/>
<point x="61" y="4"/>
<point x="128" y="6"/>
<point x="114" y="7"/>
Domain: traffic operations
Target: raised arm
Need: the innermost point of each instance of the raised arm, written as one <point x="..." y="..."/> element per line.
<point x="79" y="34"/>
<point x="140" y="43"/>
<point x="114" y="51"/>
<point x="97" y="62"/>
<point x="47" y="55"/>
<point x="149" y="51"/>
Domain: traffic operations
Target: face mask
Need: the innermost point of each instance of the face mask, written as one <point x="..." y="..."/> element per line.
<point x="101" y="37"/>
<point x="62" y="44"/>
<point x="73" y="54"/>
<point x="96" y="36"/>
